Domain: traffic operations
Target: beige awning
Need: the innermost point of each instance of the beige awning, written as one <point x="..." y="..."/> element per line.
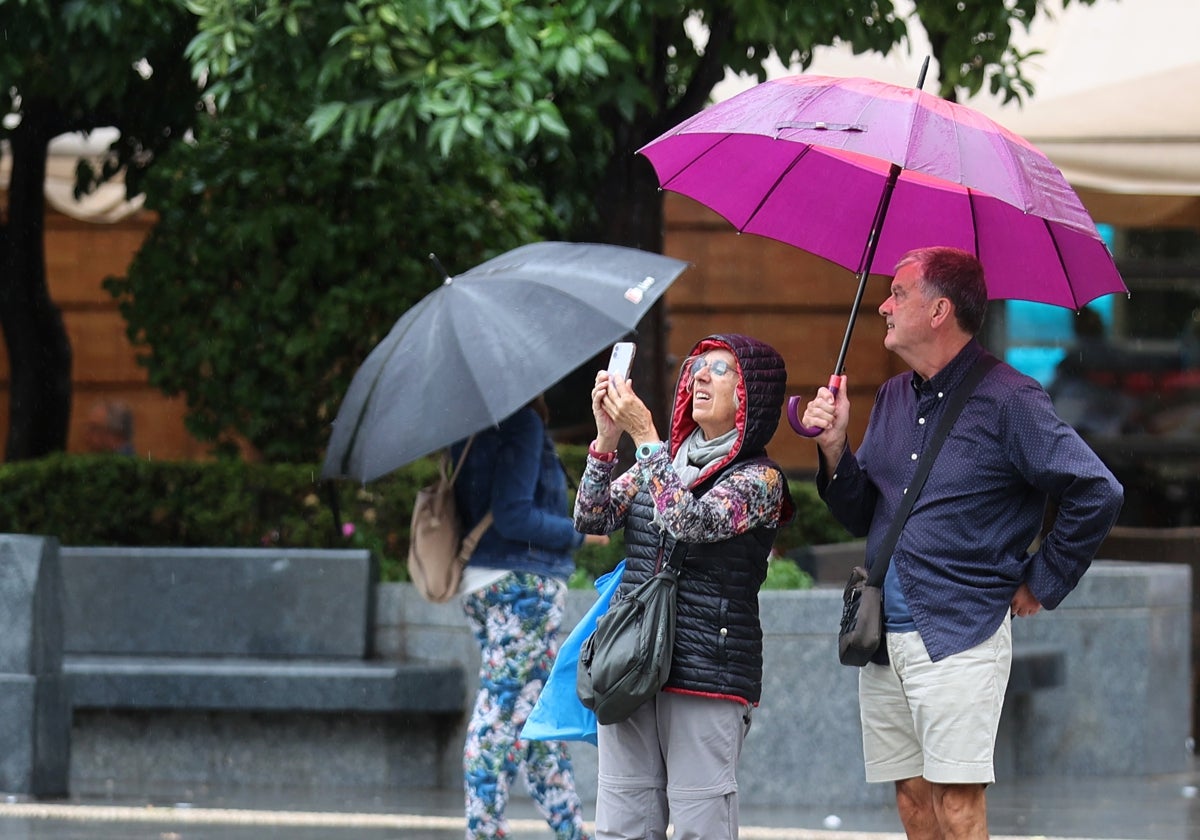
<point x="1137" y="137"/>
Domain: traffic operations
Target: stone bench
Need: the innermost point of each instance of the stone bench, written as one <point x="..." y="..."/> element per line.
<point x="246" y="684"/>
<point x="245" y="666"/>
<point x="235" y="629"/>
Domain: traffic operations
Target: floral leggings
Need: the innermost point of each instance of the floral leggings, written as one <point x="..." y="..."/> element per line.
<point x="515" y="621"/>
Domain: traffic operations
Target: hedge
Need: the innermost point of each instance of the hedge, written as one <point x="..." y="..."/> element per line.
<point x="114" y="500"/>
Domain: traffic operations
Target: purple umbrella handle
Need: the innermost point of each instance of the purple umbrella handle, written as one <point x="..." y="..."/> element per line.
<point x="793" y="412"/>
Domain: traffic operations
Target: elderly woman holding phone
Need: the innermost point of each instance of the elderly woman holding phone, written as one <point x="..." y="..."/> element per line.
<point x="710" y="487"/>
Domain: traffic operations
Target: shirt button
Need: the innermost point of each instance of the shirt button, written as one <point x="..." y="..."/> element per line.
<point x="921" y="420"/>
<point x="724" y="631"/>
<point x="940" y="395"/>
<point x="913" y="456"/>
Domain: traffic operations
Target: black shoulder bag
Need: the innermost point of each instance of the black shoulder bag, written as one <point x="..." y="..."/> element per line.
<point x="627" y="658"/>
<point x="861" y="630"/>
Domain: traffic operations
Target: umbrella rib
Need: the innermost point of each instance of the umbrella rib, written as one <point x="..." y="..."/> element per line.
<point x="1062" y="264"/>
<point x="422" y="304"/>
<point x="974" y="219"/>
<point x="666" y="185"/>
<point x="779" y="180"/>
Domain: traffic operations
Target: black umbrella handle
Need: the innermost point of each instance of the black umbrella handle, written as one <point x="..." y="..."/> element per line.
<point x="864" y="271"/>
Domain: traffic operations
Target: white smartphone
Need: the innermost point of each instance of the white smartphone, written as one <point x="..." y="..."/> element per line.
<point x="620" y="363"/>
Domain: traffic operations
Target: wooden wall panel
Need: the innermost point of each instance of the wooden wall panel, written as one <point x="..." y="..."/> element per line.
<point x="79" y="256"/>
<point x="729" y="269"/>
<point x="159" y="431"/>
<point x="102" y="353"/>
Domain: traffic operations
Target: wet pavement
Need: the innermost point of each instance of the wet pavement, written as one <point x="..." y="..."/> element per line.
<point x="1145" y="808"/>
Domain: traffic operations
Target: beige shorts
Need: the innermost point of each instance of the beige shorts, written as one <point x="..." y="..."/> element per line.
<point x="934" y="719"/>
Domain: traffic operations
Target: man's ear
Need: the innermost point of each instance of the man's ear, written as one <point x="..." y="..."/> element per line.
<point x="941" y="311"/>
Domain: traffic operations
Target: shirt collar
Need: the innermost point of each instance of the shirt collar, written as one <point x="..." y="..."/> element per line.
<point x="953" y="373"/>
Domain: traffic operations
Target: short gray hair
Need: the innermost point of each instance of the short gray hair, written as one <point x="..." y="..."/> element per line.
<point x="955" y="274"/>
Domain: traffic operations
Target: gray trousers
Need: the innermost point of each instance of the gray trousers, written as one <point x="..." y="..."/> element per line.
<point x="673" y="761"/>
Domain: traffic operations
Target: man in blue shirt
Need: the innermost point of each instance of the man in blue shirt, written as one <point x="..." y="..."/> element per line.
<point x="966" y="560"/>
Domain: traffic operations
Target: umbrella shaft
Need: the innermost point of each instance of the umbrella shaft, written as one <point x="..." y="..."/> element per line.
<point x="868" y="256"/>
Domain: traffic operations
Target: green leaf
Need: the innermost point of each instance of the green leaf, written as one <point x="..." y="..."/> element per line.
<point x="596" y="64"/>
<point x="457" y="10"/>
<point x="569" y="63"/>
<point x="324" y="118"/>
<point x="447" y="135"/>
<point x="472" y="126"/>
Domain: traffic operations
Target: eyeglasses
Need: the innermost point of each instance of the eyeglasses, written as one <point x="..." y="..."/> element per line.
<point x="716" y="367"/>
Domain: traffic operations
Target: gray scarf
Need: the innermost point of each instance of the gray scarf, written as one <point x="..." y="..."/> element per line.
<point x="697" y="453"/>
<point x="694" y="456"/>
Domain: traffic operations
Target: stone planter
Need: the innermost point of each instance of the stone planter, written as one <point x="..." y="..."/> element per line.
<point x="1124" y="633"/>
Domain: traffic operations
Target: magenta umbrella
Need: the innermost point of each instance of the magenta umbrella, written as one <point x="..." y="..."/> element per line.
<point x="858" y="172"/>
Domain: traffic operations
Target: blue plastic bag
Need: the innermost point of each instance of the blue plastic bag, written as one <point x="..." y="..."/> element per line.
<point x="558" y="715"/>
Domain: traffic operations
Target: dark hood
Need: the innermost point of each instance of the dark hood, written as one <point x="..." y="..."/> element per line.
<point x="760" y="394"/>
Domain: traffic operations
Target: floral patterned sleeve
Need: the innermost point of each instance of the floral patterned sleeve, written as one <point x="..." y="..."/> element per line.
<point x="746" y="498"/>
<point x="602" y="502"/>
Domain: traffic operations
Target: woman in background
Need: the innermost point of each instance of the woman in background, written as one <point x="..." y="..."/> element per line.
<point x="514" y="594"/>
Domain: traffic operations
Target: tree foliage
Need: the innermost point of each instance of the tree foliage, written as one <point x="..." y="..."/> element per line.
<point x="553" y="98"/>
<point x="278" y="264"/>
<point x="499" y="71"/>
<point x="350" y="139"/>
<point x="570" y="90"/>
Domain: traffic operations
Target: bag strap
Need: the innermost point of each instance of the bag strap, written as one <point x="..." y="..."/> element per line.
<point x="472" y="538"/>
<point x="467" y="548"/>
<point x="462" y="459"/>
<point x="957" y="400"/>
<point x="674" y="561"/>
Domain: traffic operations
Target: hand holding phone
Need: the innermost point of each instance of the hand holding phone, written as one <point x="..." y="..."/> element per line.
<point x="620" y="363"/>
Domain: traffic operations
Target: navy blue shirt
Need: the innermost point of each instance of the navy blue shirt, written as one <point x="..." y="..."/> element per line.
<point x="966" y="546"/>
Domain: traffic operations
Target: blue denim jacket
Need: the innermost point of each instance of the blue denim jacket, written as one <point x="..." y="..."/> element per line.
<point x="514" y="469"/>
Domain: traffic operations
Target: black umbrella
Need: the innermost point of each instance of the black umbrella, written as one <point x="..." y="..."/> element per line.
<point x="484" y="344"/>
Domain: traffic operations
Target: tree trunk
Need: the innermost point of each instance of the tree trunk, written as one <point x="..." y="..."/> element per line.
<point x="39" y="352"/>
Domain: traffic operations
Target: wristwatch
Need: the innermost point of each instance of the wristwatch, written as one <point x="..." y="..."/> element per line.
<point x="647" y="450"/>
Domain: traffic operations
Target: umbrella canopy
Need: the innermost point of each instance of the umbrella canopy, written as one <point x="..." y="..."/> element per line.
<point x="861" y="172"/>
<point x="804" y="159"/>
<point x="484" y="344"/>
